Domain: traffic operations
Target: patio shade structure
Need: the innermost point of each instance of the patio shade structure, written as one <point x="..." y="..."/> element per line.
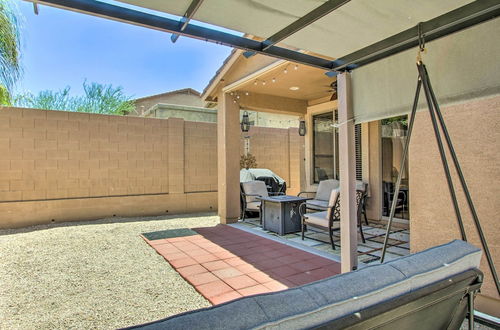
<point x="350" y="35"/>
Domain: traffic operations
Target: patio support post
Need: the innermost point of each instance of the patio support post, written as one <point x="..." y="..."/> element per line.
<point x="347" y="165"/>
<point x="228" y="158"/>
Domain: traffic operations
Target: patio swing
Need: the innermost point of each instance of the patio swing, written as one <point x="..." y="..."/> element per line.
<point x="437" y="119"/>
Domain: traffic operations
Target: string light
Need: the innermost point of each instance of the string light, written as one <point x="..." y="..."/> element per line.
<point x="274" y="80"/>
<point x="246" y="93"/>
<point x="296" y="67"/>
<point x="237" y="96"/>
<point x="285" y="71"/>
<point x="263" y="83"/>
<point x="255" y="83"/>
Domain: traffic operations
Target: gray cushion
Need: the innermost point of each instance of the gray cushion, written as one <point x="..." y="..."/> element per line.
<point x="314" y="203"/>
<point x="254" y="188"/>
<point x="360" y="185"/>
<point x="325" y="187"/>
<point x="317" y="218"/>
<point x="253" y="206"/>
<point x="330" y="299"/>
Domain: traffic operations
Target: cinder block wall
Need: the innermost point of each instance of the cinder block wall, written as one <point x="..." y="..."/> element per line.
<point x="62" y="166"/>
<point x="281" y="150"/>
<point x="475" y="132"/>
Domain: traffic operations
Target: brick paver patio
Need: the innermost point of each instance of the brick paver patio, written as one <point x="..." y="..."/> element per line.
<point x="224" y="263"/>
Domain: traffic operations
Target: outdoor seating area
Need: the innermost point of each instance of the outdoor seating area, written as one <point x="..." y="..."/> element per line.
<point x="312" y="179"/>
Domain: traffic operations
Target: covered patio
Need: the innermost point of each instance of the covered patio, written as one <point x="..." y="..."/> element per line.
<point x="367" y="51"/>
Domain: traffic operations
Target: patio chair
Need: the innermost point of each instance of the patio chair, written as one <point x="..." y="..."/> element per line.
<point x="320" y="201"/>
<point x="322" y="195"/>
<point x="250" y="191"/>
<point x="432" y="289"/>
<point x="325" y="219"/>
<point x="388" y="193"/>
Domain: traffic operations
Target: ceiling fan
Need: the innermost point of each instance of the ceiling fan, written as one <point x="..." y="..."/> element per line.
<point x="332" y="88"/>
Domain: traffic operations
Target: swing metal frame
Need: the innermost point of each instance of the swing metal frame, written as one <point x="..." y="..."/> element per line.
<point x="437" y="124"/>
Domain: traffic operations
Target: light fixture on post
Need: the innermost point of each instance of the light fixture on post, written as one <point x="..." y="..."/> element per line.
<point x="245" y="123"/>
<point x="302" y="127"/>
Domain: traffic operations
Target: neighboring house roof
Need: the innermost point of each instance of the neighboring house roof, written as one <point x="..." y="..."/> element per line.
<point x="178" y="91"/>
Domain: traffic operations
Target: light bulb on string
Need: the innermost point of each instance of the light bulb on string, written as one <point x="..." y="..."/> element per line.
<point x="255" y="83"/>
<point x="274" y="80"/>
<point x="285" y="71"/>
<point x="296" y="67"/>
<point x="263" y="83"/>
<point x="246" y="93"/>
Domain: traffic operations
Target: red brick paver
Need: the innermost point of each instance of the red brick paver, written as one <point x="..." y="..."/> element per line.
<point x="224" y="263"/>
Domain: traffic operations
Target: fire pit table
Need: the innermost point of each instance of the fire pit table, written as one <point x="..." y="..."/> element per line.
<point x="280" y="214"/>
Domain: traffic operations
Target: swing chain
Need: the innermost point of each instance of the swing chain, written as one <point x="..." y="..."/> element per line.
<point x="421" y="43"/>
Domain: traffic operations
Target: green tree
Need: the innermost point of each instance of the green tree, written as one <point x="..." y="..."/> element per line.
<point x="97" y="98"/>
<point x="10" y="67"/>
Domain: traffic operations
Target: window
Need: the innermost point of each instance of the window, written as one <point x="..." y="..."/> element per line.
<point x="323" y="147"/>
<point x="393" y="139"/>
<point x="326" y="148"/>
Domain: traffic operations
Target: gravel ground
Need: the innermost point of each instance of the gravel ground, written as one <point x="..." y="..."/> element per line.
<point x="91" y="275"/>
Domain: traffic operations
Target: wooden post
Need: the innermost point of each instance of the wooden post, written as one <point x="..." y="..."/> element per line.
<point x="228" y="158"/>
<point x="347" y="164"/>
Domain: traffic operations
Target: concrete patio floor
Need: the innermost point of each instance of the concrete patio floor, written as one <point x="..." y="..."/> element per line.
<point x="318" y="242"/>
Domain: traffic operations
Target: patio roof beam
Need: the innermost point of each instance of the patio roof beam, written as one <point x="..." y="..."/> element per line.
<point x="193" y="7"/>
<point x="164" y="24"/>
<point x="461" y="18"/>
<point x="304" y="21"/>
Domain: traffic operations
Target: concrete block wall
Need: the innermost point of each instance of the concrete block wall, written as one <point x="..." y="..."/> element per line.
<point x="62" y="166"/>
<point x="281" y="150"/>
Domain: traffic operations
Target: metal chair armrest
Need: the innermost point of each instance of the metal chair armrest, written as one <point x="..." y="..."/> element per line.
<point x="305" y="192"/>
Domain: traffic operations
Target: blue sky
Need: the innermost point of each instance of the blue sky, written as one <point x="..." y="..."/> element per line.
<point x="63" y="48"/>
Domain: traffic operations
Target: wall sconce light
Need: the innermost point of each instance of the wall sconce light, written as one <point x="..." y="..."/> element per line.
<point x="245" y="123"/>
<point x="302" y="127"/>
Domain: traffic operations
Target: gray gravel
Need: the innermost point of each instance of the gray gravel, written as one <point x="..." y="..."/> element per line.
<point x="91" y="275"/>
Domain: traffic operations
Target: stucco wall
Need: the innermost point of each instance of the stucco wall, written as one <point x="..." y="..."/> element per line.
<point x="475" y="130"/>
<point x="63" y="166"/>
<point x="185" y="98"/>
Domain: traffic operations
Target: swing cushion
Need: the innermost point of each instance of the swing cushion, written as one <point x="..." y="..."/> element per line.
<point x="345" y="300"/>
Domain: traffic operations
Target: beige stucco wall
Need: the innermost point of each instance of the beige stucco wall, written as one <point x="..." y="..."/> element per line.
<point x="63" y="166"/>
<point x="185" y="98"/>
<point x="475" y="130"/>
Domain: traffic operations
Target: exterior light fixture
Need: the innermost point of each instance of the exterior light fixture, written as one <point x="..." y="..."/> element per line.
<point x="302" y="127"/>
<point x="245" y="123"/>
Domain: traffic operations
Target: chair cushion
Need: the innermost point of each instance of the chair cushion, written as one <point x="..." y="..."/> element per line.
<point x="254" y="188"/>
<point x="317" y="218"/>
<point x="325" y="187"/>
<point x="316" y="303"/>
<point x="314" y="203"/>
<point x="253" y="206"/>
<point x="360" y="185"/>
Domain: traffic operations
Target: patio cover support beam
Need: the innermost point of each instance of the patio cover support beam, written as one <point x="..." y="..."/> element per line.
<point x="461" y="18"/>
<point x="193" y="7"/>
<point x="228" y="158"/>
<point x="304" y="21"/>
<point x="347" y="164"/>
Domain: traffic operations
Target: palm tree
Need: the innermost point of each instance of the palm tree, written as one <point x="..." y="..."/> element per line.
<point x="10" y="68"/>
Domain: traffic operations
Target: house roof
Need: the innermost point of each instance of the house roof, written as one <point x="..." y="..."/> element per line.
<point x="178" y="91"/>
